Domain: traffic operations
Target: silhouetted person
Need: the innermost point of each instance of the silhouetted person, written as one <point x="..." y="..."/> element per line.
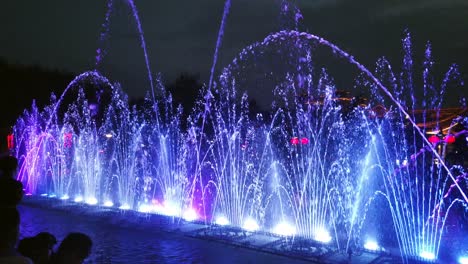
<point x="11" y="190"/>
<point x="9" y="230"/>
<point x="26" y="247"/>
<point x="38" y="248"/>
<point x="74" y="249"/>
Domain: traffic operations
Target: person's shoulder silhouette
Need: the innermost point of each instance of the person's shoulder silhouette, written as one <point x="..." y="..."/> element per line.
<point x="11" y="190"/>
<point x="38" y="248"/>
<point x="9" y="229"/>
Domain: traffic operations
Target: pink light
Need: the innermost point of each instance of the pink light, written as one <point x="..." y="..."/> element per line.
<point x="434" y="139"/>
<point x="449" y="139"/>
<point x="304" y="141"/>
<point x="295" y="140"/>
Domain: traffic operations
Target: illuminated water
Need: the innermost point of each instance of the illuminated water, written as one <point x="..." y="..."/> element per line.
<point x="114" y="243"/>
<point x="321" y="164"/>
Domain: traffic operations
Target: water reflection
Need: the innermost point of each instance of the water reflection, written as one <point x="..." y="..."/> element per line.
<point x="116" y="244"/>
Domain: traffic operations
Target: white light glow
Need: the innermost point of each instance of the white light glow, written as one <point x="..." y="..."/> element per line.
<point x="52" y="196"/>
<point x="44" y="195"/>
<point x="322" y="235"/>
<point x="108" y="135"/>
<point x="463" y="260"/>
<point x="65" y="197"/>
<point x="371" y="245"/>
<point x="91" y="201"/>
<point x="190" y="215"/>
<point x="284" y="229"/>
<point x="124" y="207"/>
<point x="250" y="225"/>
<point x="222" y="221"/>
<point x="78" y="199"/>
<point x="169" y="209"/>
<point x="145" y="208"/>
<point x="427" y="255"/>
<point x="108" y="204"/>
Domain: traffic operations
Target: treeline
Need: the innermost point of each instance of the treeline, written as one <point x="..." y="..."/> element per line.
<point x="19" y="86"/>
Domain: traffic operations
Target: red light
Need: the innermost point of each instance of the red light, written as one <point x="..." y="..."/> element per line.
<point x="449" y="139"/>
<point x="305" y="141"/>
<point x="434" y="139"/>
<point x="295" y="140"/>
<point x="10" y="141"/>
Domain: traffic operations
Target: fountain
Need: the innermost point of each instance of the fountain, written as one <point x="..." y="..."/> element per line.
<point x="322" y="169"/>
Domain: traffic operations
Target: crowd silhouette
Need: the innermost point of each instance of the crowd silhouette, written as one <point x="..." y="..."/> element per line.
<point x="39" y="249"/>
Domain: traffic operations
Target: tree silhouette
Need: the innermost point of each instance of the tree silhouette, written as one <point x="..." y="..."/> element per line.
<point x="185" y="90"/>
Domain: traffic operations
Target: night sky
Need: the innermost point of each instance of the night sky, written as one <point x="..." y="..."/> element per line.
<point x="181" y="34"/>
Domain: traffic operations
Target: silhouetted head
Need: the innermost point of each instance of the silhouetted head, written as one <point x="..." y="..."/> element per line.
<point x="8" y="165"/>
<point x="26" y="247"/>
<point x="38" y="248"/>
<point x="46" y="239"/>
<point x="75" y="248"/>
<point x="9" y="227"/>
